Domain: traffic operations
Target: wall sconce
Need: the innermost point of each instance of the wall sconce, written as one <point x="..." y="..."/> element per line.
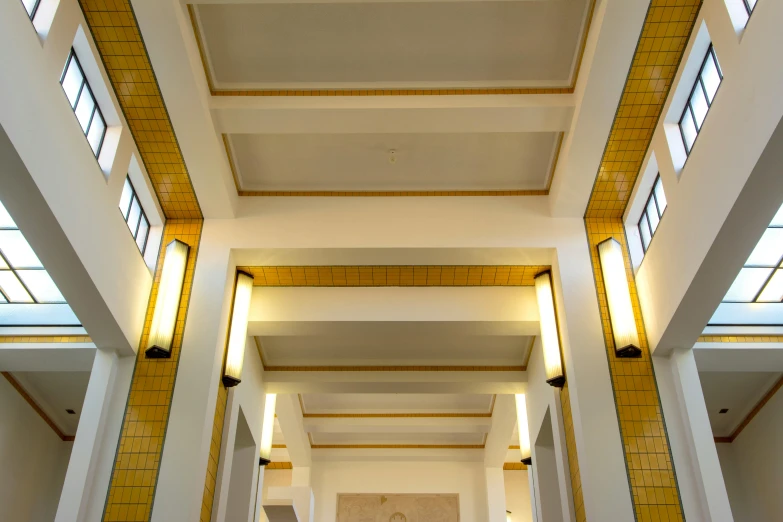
<point x="618" y="298"/>
<point x="268" y="429"/>
<point x="164" y="318"/>
<point x="237" y="334"/>
<point x="549" y="337"/>
<point x="524" y="434"/>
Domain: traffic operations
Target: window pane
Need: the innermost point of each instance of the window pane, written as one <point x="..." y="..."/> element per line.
<point x="72" y="81"/>
<point x="141" y="235"/>
<point x="747" y="285"/>
<point x="133" y="217"/>
<point x="751" y="4"/>
<point x="773" y="292"/>
<point x="644" y="230"/>
<point x="41" y="285"/>
<point x="710" y="77"/>
<point x="84" y="109"/>
<point x="5" y="218"/>
<point x="688" y="129"/>
<point x="125" y="198"/>
<point x="29" y="6"/>
<point x="660" y="196"/>
<point x="699" y="105"/>
<point x="769" y="249"/>
<point x="652" y="215"/>
<point x="97" y="130"/>
<point x="17" y="251"/>
<point x="777" y="221"/>
<point x="13" y="288"/>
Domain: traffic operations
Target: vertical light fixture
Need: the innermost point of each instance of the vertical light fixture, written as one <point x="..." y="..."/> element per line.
<point x="268" y="429"/>
<point x="524" y="434"/>
<point x="164" y="318"/>
<point x="237" y="333"/>
<point x="549" y="337"/>
<point x="618" y="298"/>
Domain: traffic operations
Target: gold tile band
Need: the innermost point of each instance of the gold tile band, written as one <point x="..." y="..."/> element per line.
<point x="279" y="465"/>
<point x="45" y="339"/>
<point x="116" y="33"/>
<point x="740" y="339"/>
<point x="573" y="459"/>
<point x="210" y="482"/>
<point x="410" y="275"/>
<point x="513" y="466"/>
<point x="648" y="457"/>
<point x="137" y="461"/>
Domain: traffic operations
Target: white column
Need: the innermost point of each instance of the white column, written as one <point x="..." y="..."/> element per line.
<point x="496" y="494"/>
<point x="85" y="453"/>
<point x="304" y="499"/>
<point x="700" y="444"/>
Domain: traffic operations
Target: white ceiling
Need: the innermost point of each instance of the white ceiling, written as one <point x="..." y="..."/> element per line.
<point x="353" y="162"/>
<point x="739" y="392"/>
<point x="396" y="403"/>
<point x="328" y="44"/>
<point x="56" y="392"/>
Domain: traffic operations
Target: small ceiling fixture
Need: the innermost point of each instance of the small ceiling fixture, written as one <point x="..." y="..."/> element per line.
<point x="70" y="412"/>
<point x="724" y="410"/>
<point x="392" y="156"/>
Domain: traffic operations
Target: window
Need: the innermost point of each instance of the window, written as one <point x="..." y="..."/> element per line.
<point x="31" y="6"/>
<point x="700" y="99"/>
<point x="749" y="5"/>
<point x="134" y="215"/>
<point x="23" y="278"/>
<point x="83" y="103"/>
<point x="652" y="213"/>
<point x="761" y="279"/>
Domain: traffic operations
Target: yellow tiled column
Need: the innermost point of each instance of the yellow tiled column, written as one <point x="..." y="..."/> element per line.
<point x="137" y="461"/>
<point x="573" y="460"/>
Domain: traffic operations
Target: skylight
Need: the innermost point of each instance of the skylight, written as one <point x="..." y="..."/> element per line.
<point x="23" y="278"/>
<point x="761" y="279"/>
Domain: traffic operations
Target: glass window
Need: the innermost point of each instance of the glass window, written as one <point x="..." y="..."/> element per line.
<point x="652" y="213"/>
<point x="79" y="94"/>
<point x="31" y="6"/>
<point x="749" y="5"/>
<point x="700" y="100"/>
<point x="134" y="215"/>
<point x="22" y="276"/>
<point x="761" y="279"/>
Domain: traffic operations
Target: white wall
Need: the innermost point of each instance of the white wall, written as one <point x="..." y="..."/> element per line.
<point x="518" y="496"/>
<point x="463" y="478"/>
<point x="33" y="461"/>
<point x="752" y="465"/>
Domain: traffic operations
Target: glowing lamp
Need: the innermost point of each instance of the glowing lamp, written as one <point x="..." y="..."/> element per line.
<point x="237" y="334"/>
<point x="268" y="429"/>
<point x="164" y="318"/>
<point x="549" y="337"/>
<point x="524" y="435"/>
<point x="618" y="298"/>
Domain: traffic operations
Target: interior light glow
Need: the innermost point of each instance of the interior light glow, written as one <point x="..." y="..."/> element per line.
<point x="549" y="337"/>
<point x="524" y="434"/>
<point x="237" y="337"/>
<point x="164" y="318"/>
<point x="268" y="429"/>
<point x="618" y="297"/>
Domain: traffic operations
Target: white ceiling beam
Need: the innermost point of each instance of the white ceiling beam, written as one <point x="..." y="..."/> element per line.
<point x="739" y="357"/>
<point x="289" y="415"/>
<point x="392" y="114"/>
<point x="402" y="454"/>
<point x="307" y="310"/>
<point x="480" y="382"/>
<point x="397" y="424"/>
<point x="46" y="357"/>
<point x="228" y="2"/>
<point x="504" y="418"/>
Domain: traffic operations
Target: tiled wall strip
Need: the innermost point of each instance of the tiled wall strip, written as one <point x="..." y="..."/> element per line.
<point x="667" y="28"/>
<point x="740" y="339"/>
<point x="210" y="482"/>
<point x="137" y="462"/>
<point x="573" y="460"/>
<point x="661" y="45"/>
<point x="419" y="275"/>
<point x="648" y="457"/>
<point x="116" y="33"/>
<point x="45" y="339"/>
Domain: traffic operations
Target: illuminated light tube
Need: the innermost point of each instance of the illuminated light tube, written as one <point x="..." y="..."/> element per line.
<point x="164" y="318"/>
<point x="618" y="298"/>
<point x="268" y="429"/>
<point x="524" y="434"/>
<point x="549" y="337"/>
<point x="237" y="336"/>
